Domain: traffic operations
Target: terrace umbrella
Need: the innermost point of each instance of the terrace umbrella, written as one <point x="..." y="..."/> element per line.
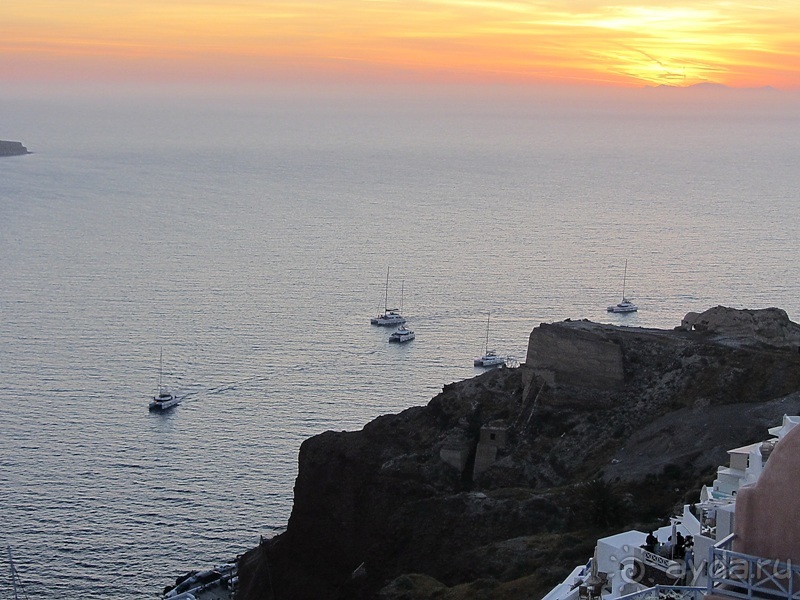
<point x="673" y="539"/>
<point x="593" y="582"/>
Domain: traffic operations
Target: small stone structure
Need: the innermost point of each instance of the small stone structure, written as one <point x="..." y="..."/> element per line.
<point x="494" y="437"/>
<point x="455" y="451"/>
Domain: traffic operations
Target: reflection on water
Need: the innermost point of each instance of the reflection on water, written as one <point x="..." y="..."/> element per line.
<point x="255" y="257"/>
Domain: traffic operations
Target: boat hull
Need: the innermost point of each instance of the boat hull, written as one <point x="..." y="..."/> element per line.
<point x="622" y="309"/>
<point x="489" y="361"/>
<point x="388" y="321"/>
<point x="399" y="339"/>
<point x="157" y="404"/>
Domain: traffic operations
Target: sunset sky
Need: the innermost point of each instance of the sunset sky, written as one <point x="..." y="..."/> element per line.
<point x="621" y="43"/>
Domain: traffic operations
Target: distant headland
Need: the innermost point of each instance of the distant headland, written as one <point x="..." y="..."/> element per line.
<point x="12" y="148"/>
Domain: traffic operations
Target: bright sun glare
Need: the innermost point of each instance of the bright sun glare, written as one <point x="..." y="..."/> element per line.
<point x="658" y="45"/>
<point x="625" y="43"/>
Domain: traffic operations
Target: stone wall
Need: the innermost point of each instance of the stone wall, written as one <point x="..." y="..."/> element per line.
<point x="575" y="354"/>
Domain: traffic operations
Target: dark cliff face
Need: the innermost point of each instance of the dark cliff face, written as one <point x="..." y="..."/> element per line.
<point x="503" y="482"/>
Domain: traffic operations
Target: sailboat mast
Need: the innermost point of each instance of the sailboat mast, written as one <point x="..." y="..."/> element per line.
<point x="16" y="582"/>
<point x="160" y="368"/>
<point x="386" y="293"/>
<point x="13" y="573"/>
<point x="402" y="284"/>
<point x="624" y="278"/>
<point x="487" y="330"/>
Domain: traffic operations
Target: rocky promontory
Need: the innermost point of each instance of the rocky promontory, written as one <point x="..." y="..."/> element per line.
<point x="12" y="148"/>
<point x="503" y="482"/>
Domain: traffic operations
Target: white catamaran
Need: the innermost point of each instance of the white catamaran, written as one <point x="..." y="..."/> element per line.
<point x="490" y="358"/>
<point x="626" y="306"/>
<point x="389" y="316"/>
<point x="164" y="399"/>
<point x="402" y="334"/>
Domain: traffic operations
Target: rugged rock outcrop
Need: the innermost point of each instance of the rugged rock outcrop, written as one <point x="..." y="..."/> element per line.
<point x="769" y="326"/>
<point x="12" y="148"/>
<point x="504" y="481"/>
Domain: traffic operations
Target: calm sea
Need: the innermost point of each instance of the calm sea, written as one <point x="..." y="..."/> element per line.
<point x="250" y="242"/>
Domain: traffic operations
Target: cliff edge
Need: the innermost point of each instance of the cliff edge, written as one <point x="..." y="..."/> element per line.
<point x="503" y="481"/>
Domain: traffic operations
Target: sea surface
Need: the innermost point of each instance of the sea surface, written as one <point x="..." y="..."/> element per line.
<point x="249" y="241"/>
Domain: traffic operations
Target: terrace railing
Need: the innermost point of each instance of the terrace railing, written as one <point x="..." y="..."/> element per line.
<point x="667" y="592"/>
<point x="738" y="575"/>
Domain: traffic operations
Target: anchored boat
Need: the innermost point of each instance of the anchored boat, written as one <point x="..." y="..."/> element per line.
<point x="164" y="399"/>
<point x="490" y="358"/>
<point x="389" y="316"/>
<point x="402" y="335"/>
<point x="626" y="306"/>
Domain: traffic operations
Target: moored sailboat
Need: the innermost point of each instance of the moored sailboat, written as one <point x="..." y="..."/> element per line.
<point x="626" y="306"/>
<point x="164" y="399"/>
<point x="490" y="358"/>
<point x="403" y="334"/>
<point x="389" y="316"/>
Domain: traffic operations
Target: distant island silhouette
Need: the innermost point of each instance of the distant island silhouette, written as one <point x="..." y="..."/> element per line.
<point x="12" y="148"/>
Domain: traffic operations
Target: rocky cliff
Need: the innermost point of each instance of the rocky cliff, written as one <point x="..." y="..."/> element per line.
<point x="503" y="482"/>
<point x="770" y="326"/>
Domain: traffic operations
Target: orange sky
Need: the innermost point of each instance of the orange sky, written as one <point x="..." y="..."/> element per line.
<point x="621" y="43"/>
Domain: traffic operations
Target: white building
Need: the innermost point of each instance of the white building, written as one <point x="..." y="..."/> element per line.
<point x="622" y="566"/>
